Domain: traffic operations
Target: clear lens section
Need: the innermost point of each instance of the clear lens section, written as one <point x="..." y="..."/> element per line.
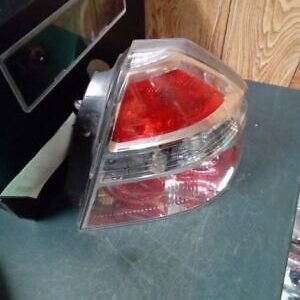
<point x="173" y="128"/>
<point x="181" y="154"/>
<point x="164" y="196"/>
<point x="35" y="64"/>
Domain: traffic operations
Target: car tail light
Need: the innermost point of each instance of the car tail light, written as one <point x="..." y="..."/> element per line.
<point x="159" y="134"/>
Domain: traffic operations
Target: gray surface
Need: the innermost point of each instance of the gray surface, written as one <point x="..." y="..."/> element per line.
<point x="234" y="248"/>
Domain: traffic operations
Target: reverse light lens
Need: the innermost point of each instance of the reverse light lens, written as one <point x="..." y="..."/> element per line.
<point x="164" y="103"/>
<point x="160" y="197"/>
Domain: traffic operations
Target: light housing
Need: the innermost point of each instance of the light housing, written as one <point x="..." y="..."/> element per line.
<point x="158" y="134"/>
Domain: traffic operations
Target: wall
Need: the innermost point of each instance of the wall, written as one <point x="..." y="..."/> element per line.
<point x="260" y="39"/>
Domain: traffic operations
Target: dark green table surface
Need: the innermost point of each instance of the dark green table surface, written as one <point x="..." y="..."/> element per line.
<point x="234" y="248"/>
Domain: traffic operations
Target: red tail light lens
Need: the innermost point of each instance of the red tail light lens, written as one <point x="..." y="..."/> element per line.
<point x="164" y="103"/>
<point x="171" y="134"/>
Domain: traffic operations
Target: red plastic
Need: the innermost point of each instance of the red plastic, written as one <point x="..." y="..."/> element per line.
<point x="164" y="103"/>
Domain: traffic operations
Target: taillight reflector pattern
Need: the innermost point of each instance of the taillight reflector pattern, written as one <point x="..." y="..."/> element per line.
<point x="162" y="104"/>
